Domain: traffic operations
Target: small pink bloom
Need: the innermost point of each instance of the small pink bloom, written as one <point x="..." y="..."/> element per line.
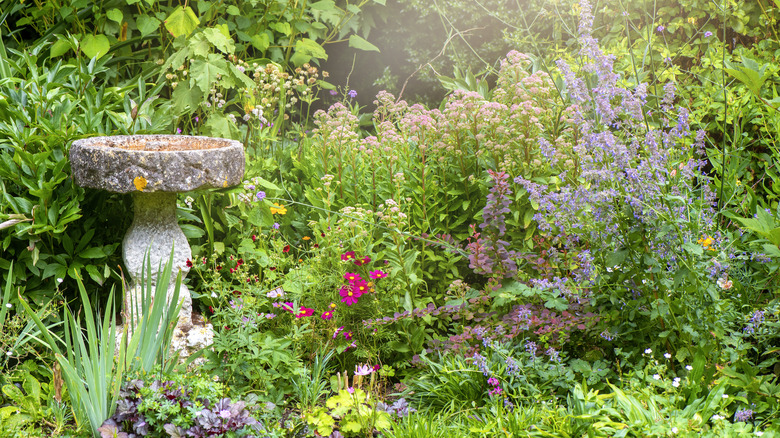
<point x="349" y="255"/>
<point x="377" y="274"/>
<point x="363" y="261"/>
<point x="304" y="311"/>
<point x="348" y="335"/>
<point x="352" y="277"/>
<point x="328" y="314"/>
<point x="348" y="296"/>
<point x="338" y="330"/>
<point x="359" y="288"/>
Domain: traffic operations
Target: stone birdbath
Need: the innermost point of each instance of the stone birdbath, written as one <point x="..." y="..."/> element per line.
<point x="154" y="168"/>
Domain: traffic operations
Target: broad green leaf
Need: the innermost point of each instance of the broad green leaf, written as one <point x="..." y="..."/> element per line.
<point x="59" y="48"/>
<point x="233" y="10"/>
<point x="204" y="73"/>
<point x="182" y="21"/>
<point x="305" y="49"/>
<point x="261" y="41"/>
<point x="95" y="46"/>
<point x="147" y="24"/>
<point x="114" y="14"/>
<point x="361" y="44"/>
<point x="219" y="40"/>
<point x="282" y="27"/>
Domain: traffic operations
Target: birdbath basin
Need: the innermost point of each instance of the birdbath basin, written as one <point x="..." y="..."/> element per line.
<point x="154" y="168"/>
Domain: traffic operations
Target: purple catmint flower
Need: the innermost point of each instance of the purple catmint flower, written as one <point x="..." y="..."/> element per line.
<point x="352" y="94"/>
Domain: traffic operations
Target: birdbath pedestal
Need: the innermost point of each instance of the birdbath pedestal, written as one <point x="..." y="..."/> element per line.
<point x="154" y="168"/>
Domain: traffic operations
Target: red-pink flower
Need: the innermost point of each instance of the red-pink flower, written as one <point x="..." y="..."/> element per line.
<point x="359" y="288"/>
<point x="363" y="261"/>
<point x="304" y="311"/>
<point x="328" y="314"/>
<point x="348" y="296"/>
<point x="348" y="335"/>
<point x="377" y="274"/>
<point x="349" y="255"/>
<point x="352" y="277"/>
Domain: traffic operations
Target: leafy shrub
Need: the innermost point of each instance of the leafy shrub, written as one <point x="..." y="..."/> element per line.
<point x="184" y="406"/>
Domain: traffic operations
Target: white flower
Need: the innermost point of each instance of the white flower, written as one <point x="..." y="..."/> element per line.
<point x="725" y="396"/>
<point x="758" y="433"/>
<point x="648" y="351"/>
<point x="725" y="283"/>
<point x="657" y="376"/>
<point x="717" y="417"/>
<point x="674" y="430"/>
<point x="213" y="295"/>
<point x="667" y="355"/>
<point x="59" y="280"/>
<point x="10" y="352"/>
<point x="676" y="382"/>
<point x="688" y="367"/>
<point x="8" y="305"/>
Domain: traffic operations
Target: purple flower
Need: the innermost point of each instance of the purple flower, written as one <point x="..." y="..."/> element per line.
<point x="352" y="94"/>
<point x="224" y="413"/>
<point x="707" y="34"/>
<point x="178" y="130"/>
<point x="275" y="226"/>
<point x="333" y="92"/>
<point x="260" y="195"/>
<point x="660" y="28"/>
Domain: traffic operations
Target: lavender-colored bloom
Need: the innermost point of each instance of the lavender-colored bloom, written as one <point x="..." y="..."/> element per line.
<point x="660" y="28"/>
<point x="530" y="348"/>
<point x="352" y="94"/>
<point x="707" y="34"/>
<point x="275" y="226"/>
<point x="334" y="92"/>
<point x="260" y="195"/>
<point x="743" y="415"/>
<point x="481" y="363"/>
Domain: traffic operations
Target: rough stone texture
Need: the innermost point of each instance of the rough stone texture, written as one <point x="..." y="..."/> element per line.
<point x="154" y="168"/>
<point x="156" y="163"/>
<point x="156" y="229"/>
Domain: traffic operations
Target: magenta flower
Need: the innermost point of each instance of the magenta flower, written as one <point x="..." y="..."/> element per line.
<point x="359" y="288"/>
<point x="328" y="314"/>
<point x="348" y="296"/>
<point x="352" y="277"/>
<point x="493" y="381"/>
<point x="348" y="335"/>
<point x="363" y="261"/>
<point x="376" y="275"/>
<point x="338" y="330"/>
<point x="349" y="255"/>
<point x="304" y="311"/>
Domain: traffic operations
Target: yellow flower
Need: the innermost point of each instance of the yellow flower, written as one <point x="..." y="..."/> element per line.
<point x="706" y="242"/>
<point x="278" y="209"/>
<point x="691" y="20"/>
<point x="306" y="238"/>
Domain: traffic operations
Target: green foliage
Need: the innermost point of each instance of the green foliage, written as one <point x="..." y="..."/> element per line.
<point x="352" y="412"/>
<point x="92" y="367"/>
<point x="36" y="404"/>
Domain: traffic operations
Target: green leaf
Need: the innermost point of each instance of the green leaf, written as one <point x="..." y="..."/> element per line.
<point x="182" y="21"/>
<point x="261" y="41"/>
<point x="233" y="10"/>
<point x="282" y="27"/>
<point x="221" y="42"/>
<point x="323" y="5"/>
<point x="147" y="24"/>
<point x="59" y="48"/>
<point x="204" y="73"/>
<point x="305" y="49"/>
<point x="95" y="46"/>
<point x="92" y="253"/>
<point x="361" y="44"/>
<point x="114" y="14"/>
